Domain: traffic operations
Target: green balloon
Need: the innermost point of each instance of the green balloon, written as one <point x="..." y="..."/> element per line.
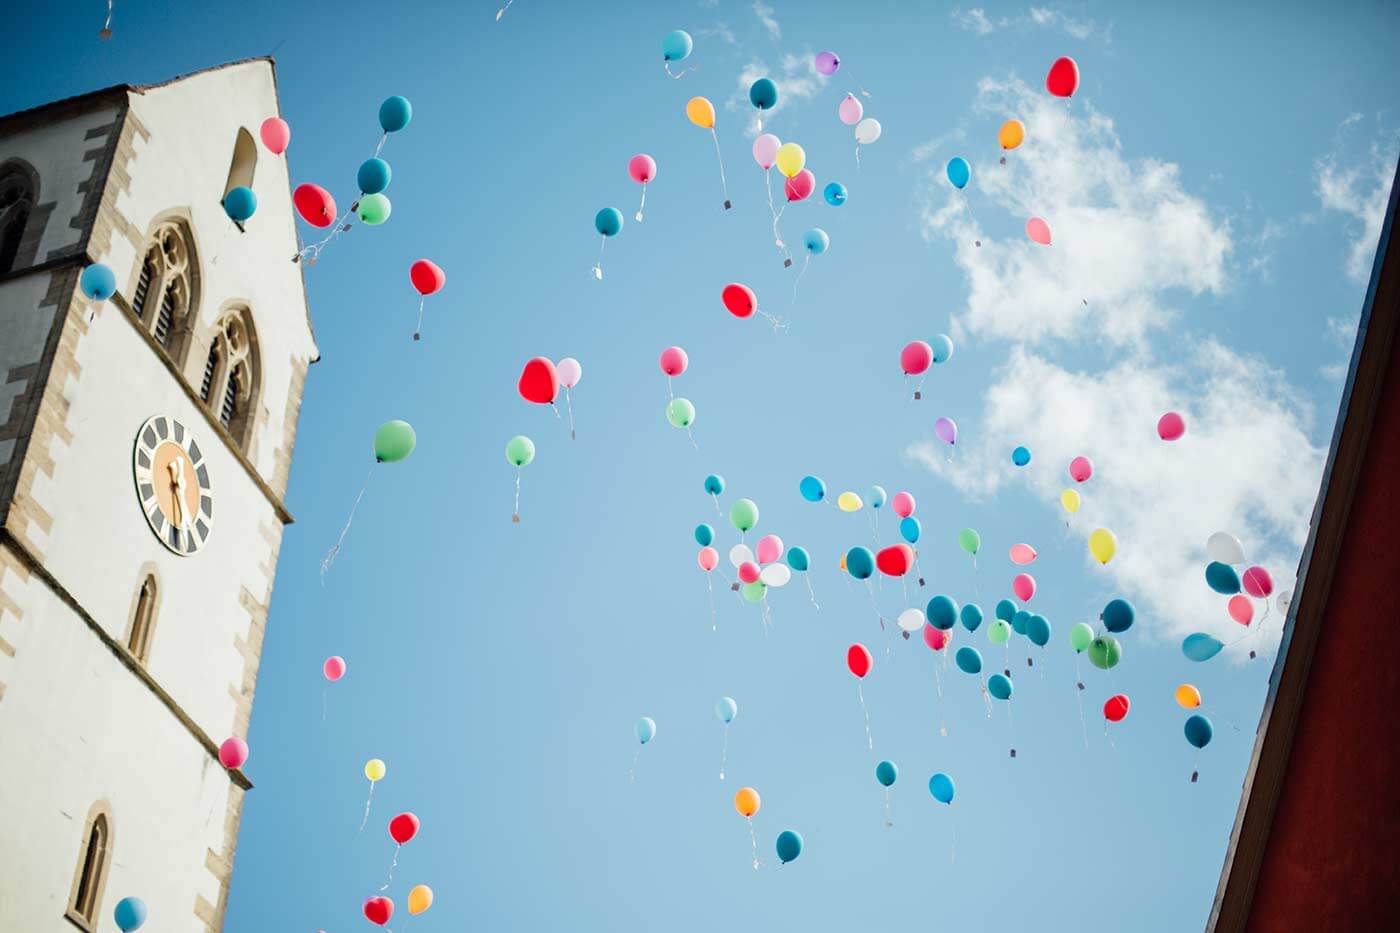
<point x="970" y="541"/>
<point x="1105" y="652"/>
<point x="1080" y="636"/>
<point x="520" y="450"/>
<point x="680" y="412"/>
<point x="743" y="514"/>
<point x="754" y="591"/>
<point x="394" y="441"/>
<point x="999" y="632"/>
<point x="374" y="209"/>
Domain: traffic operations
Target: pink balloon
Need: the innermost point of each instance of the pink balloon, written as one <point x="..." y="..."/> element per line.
<point x="902" y="504"/>
<point x="334" y="668"/>
<point x="936" y="638"/>
<point x="233" y="753"/>
<point x="569" y="371"/>
<point x="748" y="571"/>
<point x="768" y="549"/>
<point x="1241" y="609"/>
<point x="947" y="430"/>
<point x="276" y="135"/>
<point x="1023" y="586"/>
<point x="1038" y="230"/>
<point x="1171" y="426"/>
<point x="765" y="150"/>
<point x="1257" y="582"/>
<point x="642" y="168"/>
<point x="674" y="361"/>
<point x="827" y="62"/>
<point x="800" y="186"/>
<point x="1080" y="469"/>
<point x="708" y="559"/>
<point x="850" y="111"/>
<point x="1022" y="554"/>
<point x="915" y="358"/>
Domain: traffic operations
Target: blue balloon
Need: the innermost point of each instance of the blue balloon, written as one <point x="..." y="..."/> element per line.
<point x="98" y="282"/>
<point x="1222" y="578"/>
<point x="677" y="45"/>
<point x="971" y="616"/>
<point x="646" y="729"/>
<point x="941" y="786"/>
<point x="1201" y="647"/>
<point x="886" y="772"/>
<point x="812" y="488"/>
<point x="860" y="563"/>
<point x="130" y="913"/>
<point x="1021" y="456"/>
<point x="374" y="176"/>
<point x="714" y="484"/>
<point x="608" y="221"/>
<point x="959" y="172"/>
<point x="816" y="241"/>
<point x="704" y="535"/>
<point x="789" y="846"/>
<point x="763" y="94"/>
<point x="942" y="348"/>
<point x="910" y="529"/>
<point x="969" y="660"/>
<point x="942" y="612"/>
<point x="726" y="709"/>
<point x="395" y="113"/>
<point x="876" y="497"/>
<point x="1006" y="610"/>
<point x="1199" y="731"/>
<point x="798" y="559"/>
<point x="999" y="686"/>
<point x="1019" y="621"/>
<point x="1038" y="630"/>
<point x="1118" y="615"/>
<point x="835" y="194"/>
<point x="240" y="204"/>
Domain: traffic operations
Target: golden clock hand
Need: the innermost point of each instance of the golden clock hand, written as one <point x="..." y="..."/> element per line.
<point x="177" y="477"/>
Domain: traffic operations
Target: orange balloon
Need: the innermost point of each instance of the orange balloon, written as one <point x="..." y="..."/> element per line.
<point x="1012" y="134"/>
<point x="1188" y="697"/>
<point x="746" y="801"/>
<point x="843" y="561"/>
<point x="420" y="899"/>
<point x="701" y="112"/>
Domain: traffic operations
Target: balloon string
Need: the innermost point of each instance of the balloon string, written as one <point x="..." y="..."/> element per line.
<point x="667" y="65"/>
<point x="919" y="389"/>
<point x="724" y="185"/>
<point x="805" y="263"/>
<point x="874" y="608"/>
<point x="643" y="204"/>
<point x="710" y="585"/>
<point x="753" y="841"/>
<point x="569" y="403"/>
<point x="598" y="266"/>
<point x="811" y="594"/>
<point x="690" y="435"/>
<point x="775" y="321"/>
<point x="392" y="865"/>
<point x="857" y="157"/>
<point x="724" y="752"/>
<point x="418" y="334"/>
<point x="313" y="252"/>
<point x="869" y="741"/>
<point x="938" y="683"/>
<point x="368" y="801"/>
<point x="764" y="615"/>
<point x="888" y="821"/>
<point x="632" y="773"/>
<point x="986" y="697"/>
<point x="385" y="137"/>
<point x="772" y="211"/>
<point x="502" y="11"/>
<point x="515" y="516"/>
<point x="718" y="510"/>
<point x="1079" y="698"/>
<point x="329" y="559"/>
<point x="106" y="32"/>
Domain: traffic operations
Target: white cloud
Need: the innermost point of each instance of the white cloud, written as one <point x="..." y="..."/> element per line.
<point x="1341" y="333"/>
<point x="1357" y="184"/>
<point x="797" y="80"/>
<point x="977" y="21"/>
<point x="930" y="148"/>
<point x="764" y="12"/>
<point x="719" y="31"/>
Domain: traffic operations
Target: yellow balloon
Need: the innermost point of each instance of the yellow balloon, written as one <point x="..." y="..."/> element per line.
<point x="701" y="112"/>
<point x="1070" y="500"/>
<point x="843" y="561"/>
<point x="1103" y="545"/>
<point x="1012" y="134"/>
<point x="420" y="899"/>
<point x="374" y="769"/>
<point x="848" y="502"/>
<point x="746" y="801"/>
<point x="791" y="159"/>
<point x="1188" y="697"/>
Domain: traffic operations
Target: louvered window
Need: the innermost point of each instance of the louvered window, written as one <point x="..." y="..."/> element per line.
<point x="143" y="285"/>
<point x="229" y="408"/>
<point x="211" y="369"/>
<point x="165" y="320"/>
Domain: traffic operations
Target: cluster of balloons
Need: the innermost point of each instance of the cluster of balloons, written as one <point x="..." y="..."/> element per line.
<point x="918" y="355"/>
<point x="680" y="411"/>
<point x="1225" y="553"/>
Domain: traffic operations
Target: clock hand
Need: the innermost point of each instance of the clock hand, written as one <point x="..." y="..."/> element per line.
<point x="177" y="482"/>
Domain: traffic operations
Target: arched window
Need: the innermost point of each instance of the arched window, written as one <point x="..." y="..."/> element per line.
<point x="164" y="298"/>
<point x="143" y="619"/>
<point x="231" y="373"/>
<point x="94" y="858"/>
<point x="16" y="202"/>
<point x="245" y="161"/>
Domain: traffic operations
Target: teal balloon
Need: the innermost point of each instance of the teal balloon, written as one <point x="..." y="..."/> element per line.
<point x="1021" y="456"/>
<point x="726" y="709"/>
<point x="714" y="484"/>
<point x="910" y="529"/>
<point x="876" y="497"/>
<point x="98" y="282"/>
<point x="676" y="46"/>
<point x="969" y="660"/>
<point x="240" y="203"/>
<point x="374" y="176"/>
<point x="798" y="559"/>
<point x="1201" y="647"/>
<point x="835" y="194"/>
<point x="812" y="488"/>
<point x="645" y="729"/>
<point x="608" y="221"/>
<point x="942" y="348"/>
<point x="941" y="787"/>
<point x="942" y="612"/>
<point x="395" y="113"/>
<point x="1038" y="630"/>
<point x="959" y="172"/>
<point x="1005" y="610"/>
<point x="860" y="563"/>
<point x="1199" y="731"/>
<point x="1019" y="620"/>
<point x="131" y="912"/>
<point x="1222" y="578"/>
<point x="999" y="686"/>
<point x="816" y="241"/>
<point x="763" y="94"/>
<point x="1118" y="615"/>
<point x="704" y="535"/>
<point x="789" y="846"/>
<point x="886" y="773"/>
<point x="971" y="616"/>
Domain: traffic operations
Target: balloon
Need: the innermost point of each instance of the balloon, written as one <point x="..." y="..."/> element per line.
<point x="701" y="112"/>
<point x="895" y="560"/>
<point x="970" y="616"/>
<point x="1005" y="610"/>
<point x="1038" y="231"/>
<point x="867" y="131"/>
<point x="739" y="299"/>
<point x="240" y="203"/>
<point x="645" y="729"/>
<point x="1105" y="652"/>
<point x="1118" y="615"/>
<point x="835" y="193"/>
<point x="959" y="172"/>
<point x="765" y="150"/>
<point x="1019" y="620"/>
<point x="708" y="559"/>
<point x="315" y="205"/>
<point x="1199" y="731"/>
<point x="858" y="659"/>
<point x="569" y="371"/>
<point x="876" y="496"/>
<point x="608" y="221"/>
<point x="233" y="753"/>
<point x="334" y="668"/>
<point x="910" y="529"/>
<point x="743" y="514"/>
<point x="1063" y="77"/>
<point x="374" y="176"/>
<point x="754" y="592"/>
<point x="641" y="168"/>
<point x="911" y="620"/>
<point x="769" y="549"/>
<point x="673" y="362"/>
<point x="947" y="430"/>
<point x="1285" y="599"/>
<point x="763" y="94"/>
<point x="1023" y="585"/>
<point x="748" y="572"/>
<point x="848" y="502"/>
<point x="850" y="110"/>
<point x="1038" y="630"/>
<point x="1188" y="697"/>
<point x="886" y="773"/>
<point x="676" y="46"/>
<point x="860" y="563"/>
<point x="800" y="186"/>
<point x="902" y="504"/>
<point x="98" y="282"/>
<point x="915" y="358"/>
<point x="403" y="827"/>
<point x="1103" y="544"/>
<point x="1258" y="583"/>
<point x="1115" y="708"/>
<point x="714" y="484"/>
<point x="1222" y="578"/>
<point x="942" y="612"/>
<point x="969" y="660"/>
<point x="276" y="135"/>
<point x="539" y="381"/>
<point x="420" y="899"/>
<point x="1080" y="469"/>
<point x="1080" y="635"/>
<point x="942" y="348"/>
<point x="816" y="241"/>
<point x="812" y="488"/>
<point x="375" y="770"/>
<point x="798" y="559"/>
<point x="378" y="910"/>
<point x="1201" y="647"/>
<point x="775" y="575"/>
<point x="739" y="555"/>
<point x="1022" y="554"/>
<point x="1011" y="134"/>
<point x="999" y="632"/>
<point x="999" y="686"/>
<point x="395" y="113"/>
<point x="680" y="412"/>
<point x="520" y="450"/>
<point x="941" y="787"/>
<point x="746" y="801"/>
<point x="1224" y="548"/>
<point x="726" y="709"/>
<point x="131" y="912"/>
<point x="1241" y="609"/>
<point x="936" y="638"/>
<point x="827" y="62"/>
<point x="789" y="846"/>
<point x="1069" y="501"/>
<point x="374" y="209"/>
<point x="429" y="279"/>
<point x="1171" y="426"/>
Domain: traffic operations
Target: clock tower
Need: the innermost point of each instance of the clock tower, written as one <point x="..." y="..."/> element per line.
<point x="145" y="448"/>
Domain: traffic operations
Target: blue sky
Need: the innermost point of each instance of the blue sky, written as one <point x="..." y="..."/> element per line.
<point x="1215" y="189"/>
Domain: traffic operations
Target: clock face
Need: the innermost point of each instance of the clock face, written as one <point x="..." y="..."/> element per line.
<point x="172" y="483"/>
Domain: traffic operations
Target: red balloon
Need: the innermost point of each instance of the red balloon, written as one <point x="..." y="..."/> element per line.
<point x="403" y="827"/>
<point x="895" y="560"/>
<point x="1063" y="79"/>
<point x="379" y="910"/>
<point x="748" y="571"/>
<point x="915" y="358"/>
<point x="1116" y="708"/>
<point x="800" y="186"/>
<point x="539" y="383"/>
<point x="427" y="276"/>
<point x="315" y="205"/>
<point x="739" y="299"/>
<point x="858" y="659"/>
<point x="936" y="638"/>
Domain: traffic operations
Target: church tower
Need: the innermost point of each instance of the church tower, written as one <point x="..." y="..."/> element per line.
<point x="145" y="447"/>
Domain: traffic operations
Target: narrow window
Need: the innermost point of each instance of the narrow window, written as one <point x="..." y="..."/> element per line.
<point x="165" y="319"/>
<point x="149" y="273"/>
<point x="211" y="369"/>
<point x="16" y="201"/>
<point x="245" y="160"/>
<point x="233" y="377"/>
<point x="138" y="642"/>
<point x="228" y="410"/>
<point x="92" y="872"/>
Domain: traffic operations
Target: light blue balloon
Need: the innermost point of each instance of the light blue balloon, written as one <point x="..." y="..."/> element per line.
<point x="1201" y="647"/>
<point x="1118" y="615"/>
<point x="969" y="660"/>
<point x="240" y="204"/>
<point x="860" y="563"/>
<point x="1222" y="578"/>
<point x="812" y="488"/>
<point x="999" y="686"/>
<point x="942" y="348"/>
<point x="98" y="282"/>
<point x="835" y="194"/>
<point x="714" y="484"/>
<point x="726" y="709"/>
<point x="942" y="612"/>
<point x="789" y="846"/>
<point x="1006" y="610"/>
<point x="798" y="559"/>
<point x="1038" y="630"/>
<point x="646" y="729"/>
<point x="704" y="535"/>
<point x="959" y="172"/>
<point x="910" y="529"/>
<point x="677" y="45"/>
<point x="886" y="773"/>
<point x="876" y="497"/>
<point x="1019" y="621"/>
<point x="131" y="912"/>
<point x="395" y="113"/>
<point x="374" y="176"/>
<point x="941" y="786"/>
<point x="1199" y="731"/>
<point x="1021" y="456"/>
<point x="763" y="94"/>
<point x="971" y="616"/>
<point x="816" y="241"/>
<point x="608" y="221"/>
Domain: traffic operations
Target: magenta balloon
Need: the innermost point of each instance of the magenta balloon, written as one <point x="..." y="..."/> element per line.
<point x="642" y="168"/>
<point x="768" y="549"/>
<point x="749" y="572"/>
<point x="1171" y="426"/>
<point x="936" y="638"/>
<point x="1257" y="582"/>
<point x="800" y="186"/>
<point x="850" y="110"/>
<point x="334" y="668"/>
<point x="673" y="361"/>
<point x="827" y="62"/>
<point x="708" y="559"/>
<point x="947" y="430"/>
<point x="1080" y="469"/>
<point x="765" y="150"/>
<point x="1023" y="586"/>
<point x="233" y="753"/>
<point x="915" y="358"/>
<point x="1241" y="609"/>
<point x="902" y="504"/>
<point x="1038" y="230"/>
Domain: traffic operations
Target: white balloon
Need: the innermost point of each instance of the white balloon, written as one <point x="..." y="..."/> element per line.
<point x="1225" y="548"/>
<point x="1285" y="599"/>
<point x="867" y="131"/>
<point x="740" y="554"/>
<point x="775" y="575"/>
<point x="911" y="620"/>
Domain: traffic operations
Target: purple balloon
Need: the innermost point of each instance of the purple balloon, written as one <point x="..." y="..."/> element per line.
<point x="947" y="430"/>
<point x="827" y="63"/>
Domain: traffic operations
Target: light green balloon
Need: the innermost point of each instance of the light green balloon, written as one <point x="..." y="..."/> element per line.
<point x="1081" y="635"/>
<point x="394" y="441"/>
<point x="680" y="412"/>
<point x="743" y="514"/>
<point x="754" y="591"/>
<point x="970" y="541"/>
<point x="374" y="209"/>
<point x="1105" y="652"/>
<point x="520" y="450"/>
<point x="999" y="632"/>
